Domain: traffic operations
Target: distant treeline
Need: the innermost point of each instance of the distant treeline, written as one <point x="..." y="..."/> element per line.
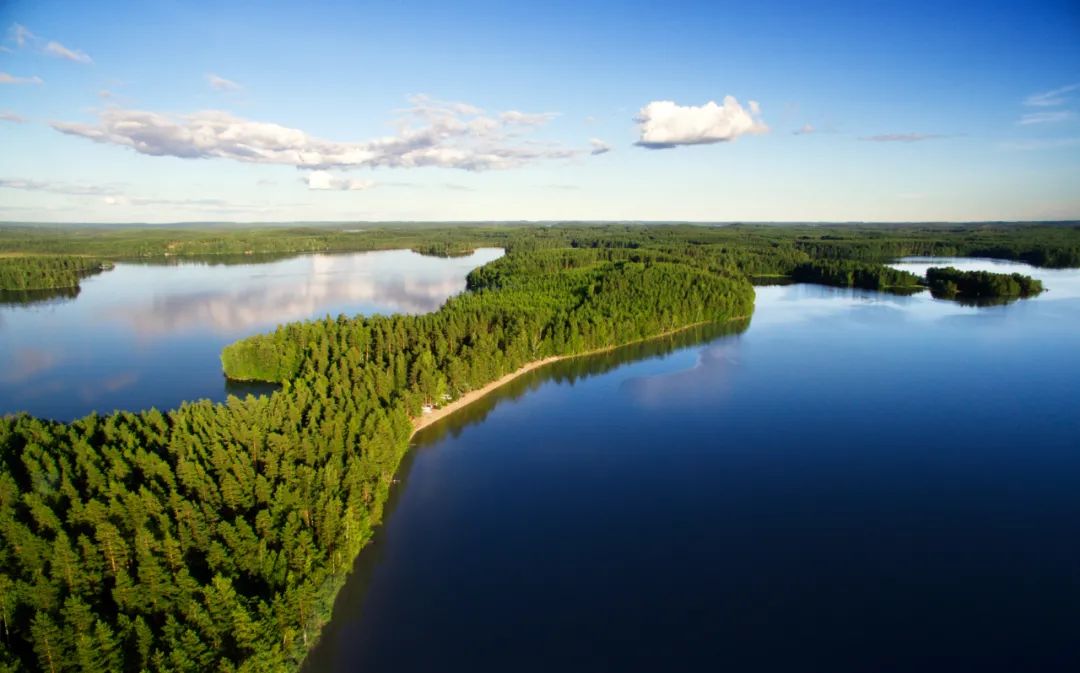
<point x="950" y="283"/>
<point x="46" y="272"/>
<point x="765" y="247"/>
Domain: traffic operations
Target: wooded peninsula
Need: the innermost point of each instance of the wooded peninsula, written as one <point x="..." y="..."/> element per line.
<point x="216" y="536"/>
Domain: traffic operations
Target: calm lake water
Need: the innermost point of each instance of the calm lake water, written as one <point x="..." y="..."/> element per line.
<point x="853" y="482"/>
<point x="146" y="335"/>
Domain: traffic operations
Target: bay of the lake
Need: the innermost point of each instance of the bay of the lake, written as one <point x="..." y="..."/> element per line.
<point x="150" y="335"/>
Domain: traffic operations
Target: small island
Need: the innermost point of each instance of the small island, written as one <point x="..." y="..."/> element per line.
<point x="444" y="249"/>
<point x="980" y="286"/>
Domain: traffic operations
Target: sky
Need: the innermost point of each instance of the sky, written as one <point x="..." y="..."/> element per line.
<point x="159" y="111"/>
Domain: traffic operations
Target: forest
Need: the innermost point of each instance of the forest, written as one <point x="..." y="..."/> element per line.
<point x="949" y="283"/>
<point x="216" y="536"/>
<point x="47" y="272"/>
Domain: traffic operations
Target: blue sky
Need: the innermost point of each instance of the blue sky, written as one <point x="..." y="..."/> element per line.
<point x="711" y="111"/>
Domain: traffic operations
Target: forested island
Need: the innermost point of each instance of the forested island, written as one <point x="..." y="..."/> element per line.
<point x="444" y="249"/>
<point x="950" y="283"/>
<point x="215" y="536"/>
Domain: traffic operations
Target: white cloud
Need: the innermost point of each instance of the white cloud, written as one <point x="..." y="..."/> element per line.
<point x="665" y="124"/>
<point x="5" y="78"/>
<point x="218" y="83"/>
<point x="903" y="137"/>
<point x="21" y="34"/>
<point x="23" y="37"/>
<point x="430" y="133"/>
<point x="1045" y="117"/>
<point x="1050" y="98"/>
<point x="805" y="130"/>
<point x="325" y="180"/>
<point x="9" y="116"/>
<point x="60" y="51"/>
<point x="599" y="147"/>
<point x="527" y="118"/>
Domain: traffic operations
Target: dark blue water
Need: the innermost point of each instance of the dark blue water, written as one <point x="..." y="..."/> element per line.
<point x="856" y="482"/>
<point x="144" y="335"/>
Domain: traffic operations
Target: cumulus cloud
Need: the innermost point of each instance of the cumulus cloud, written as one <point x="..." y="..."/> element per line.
<point x="6" y="78"/>
<point x="1050" y="98"/>
<point x="325" y="180"/>
<point x="9" y="116"/>
<point x="665" y="124"/>
<point x="60" y="51"/>
<point x="218" y="83"/>
<point x="599" y="147"/>
<point x="1045" y="117"/>
<point x="902" y="137"/>
<point x="429" y="133"/>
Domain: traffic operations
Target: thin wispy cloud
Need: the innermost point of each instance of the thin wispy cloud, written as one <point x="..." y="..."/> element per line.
<point x="903" y="137"/>
<point x="804" y="130"/>
<point x="1042" y="144"/>
<point x="599" y="147"/>
<point x="1046" y="117"/>
<point x="1050" y="98"/>
<point x="60" y="51"/>
<point x="199" y="204"/>
<point x="21" y="34"/>
<point x="54" y="187"/>
<point x="527" y="118"/>
<point x="6" y="78"/>
<point x="9" y="116"/>
<point x="23" y="37"/>
<point x="430" y="133"/>
<point x="218" y="83"/>
<point x="665" y="124"/>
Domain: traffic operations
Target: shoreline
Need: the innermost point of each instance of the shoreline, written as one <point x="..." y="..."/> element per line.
<point x="424" y="420"/>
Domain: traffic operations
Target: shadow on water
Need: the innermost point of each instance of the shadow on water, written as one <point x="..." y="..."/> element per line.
<point x="51" y="296"/>
<point x="244" y="388"/>
<point x="345" y="612"/>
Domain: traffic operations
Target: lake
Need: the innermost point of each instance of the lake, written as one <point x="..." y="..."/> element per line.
<point x="852" y="482"/>
<point x="150" y="335"/>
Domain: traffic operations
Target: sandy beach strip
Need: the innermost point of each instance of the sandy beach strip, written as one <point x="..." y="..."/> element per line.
<point x="468" y="398"/>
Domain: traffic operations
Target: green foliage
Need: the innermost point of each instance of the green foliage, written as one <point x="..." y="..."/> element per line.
<point x="46" y="272"/>
<point x="948" y="283"/>
<point x="215" y="536"/>
<point x="846" y="273"/>
<point x="444" y="249"/>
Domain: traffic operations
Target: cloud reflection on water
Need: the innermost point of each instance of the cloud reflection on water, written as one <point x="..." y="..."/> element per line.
<point x="261" y="301"/>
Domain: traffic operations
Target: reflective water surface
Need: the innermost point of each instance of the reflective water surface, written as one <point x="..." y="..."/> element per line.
<point x="145" y="335"/>
<point x="853" y="482"/>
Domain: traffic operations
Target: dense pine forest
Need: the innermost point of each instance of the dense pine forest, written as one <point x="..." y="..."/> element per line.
<point x="215" y="536"/>
<point x="950" y="283"/>
<point x="46" y="272"/>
